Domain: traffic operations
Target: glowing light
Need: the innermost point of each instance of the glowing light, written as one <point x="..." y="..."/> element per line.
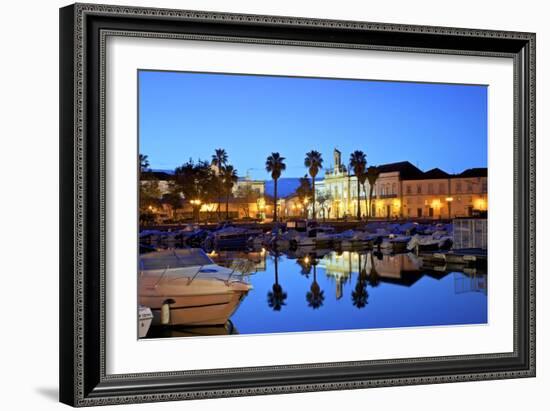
<point x="449" y="199"/>
<point x="208" y="207"/>
<point x="481" y="204"/>
<point x="261" y="203"/>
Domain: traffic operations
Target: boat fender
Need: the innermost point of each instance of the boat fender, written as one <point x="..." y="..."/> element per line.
<point x="165" y="311"/>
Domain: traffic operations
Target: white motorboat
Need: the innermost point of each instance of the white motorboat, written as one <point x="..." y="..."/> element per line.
<point x="185" y="287"/>
<point x="395" y="243"/>
<point x="429" y="242"/>
<point x="352" y="239"/>
<point x="145" y="318"/>
<point x="314" y="236"/>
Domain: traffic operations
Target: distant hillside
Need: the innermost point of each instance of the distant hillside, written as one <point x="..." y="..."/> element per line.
<point x="160" y="170"/>
<point x="285" y="186"/>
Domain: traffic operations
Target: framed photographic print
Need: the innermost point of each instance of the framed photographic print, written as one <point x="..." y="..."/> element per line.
<point x="262" y="204"/>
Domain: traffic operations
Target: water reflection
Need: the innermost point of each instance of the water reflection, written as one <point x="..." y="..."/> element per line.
<point x="316" y="290"/>
<point x="360" y="295"/>
<point x="277" y="296"/>
<point x="315" y="296"/>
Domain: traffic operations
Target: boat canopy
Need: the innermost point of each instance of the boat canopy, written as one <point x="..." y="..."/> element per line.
<point x="187" y="257"/>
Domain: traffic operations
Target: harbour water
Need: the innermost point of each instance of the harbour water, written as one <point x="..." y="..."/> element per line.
<point x="316" y="290"/>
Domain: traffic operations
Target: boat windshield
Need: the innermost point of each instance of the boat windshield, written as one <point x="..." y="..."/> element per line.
<point x="159" y="260"/>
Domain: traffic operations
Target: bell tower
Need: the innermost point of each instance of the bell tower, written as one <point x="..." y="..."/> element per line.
<point x="337" y="160"/>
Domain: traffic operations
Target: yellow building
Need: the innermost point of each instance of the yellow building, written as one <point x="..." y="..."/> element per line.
<point x="402" y="190"/>
<point x="341" y="186"/>
<point x="437" y="194"/>
<point x="247" y="185"/>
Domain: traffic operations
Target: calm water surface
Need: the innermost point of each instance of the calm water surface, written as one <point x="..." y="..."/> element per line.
<point x="319" y="291"/>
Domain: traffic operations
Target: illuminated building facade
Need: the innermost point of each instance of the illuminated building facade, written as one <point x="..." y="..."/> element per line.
<point x="441" y="195"/>
<point x="402" y="190"/>
<point x="247" y="185"/>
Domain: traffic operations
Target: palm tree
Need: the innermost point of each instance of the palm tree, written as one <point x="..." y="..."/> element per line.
<point x="304" y="192"/>
<point x="275" y="165"/>
<point x="229" y="179"/>
<point x="358" y="162"/>
<point x="276" y="298"/>
<point x="324" y="198"/>
<point x="219" y="159"/>
<point x="360" y="295"/>
<point x="374" y="277"/>
<point x="315" y="296"/>
<point x="313" y="161"/>
<point x="372" y="175"/>
<point x="143" y="163"/>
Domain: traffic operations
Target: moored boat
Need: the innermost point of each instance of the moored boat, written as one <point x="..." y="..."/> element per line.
<point x="230" y="236"/>
<point x="312" y="235"/>
<point x="395" y="243"/>
<point x="357" y="239"/>
<point x="419" y="243"/>
<point x="185" y="287"/>
<point x="145" y="318"/>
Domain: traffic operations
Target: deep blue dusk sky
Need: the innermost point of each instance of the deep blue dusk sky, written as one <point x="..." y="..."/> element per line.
<point x="188" y="115"/>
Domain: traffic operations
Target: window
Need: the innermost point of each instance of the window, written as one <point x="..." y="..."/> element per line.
<point x="441" y="188"/>
<point x="430" y="188"/>
<point x="484" y="185"/>
<point x="393" y="191"/>
<point x="459" y="187"/>
<point x="408" y="188"/>
<point x="469" y="186"/>
<point x="419" y="189"/>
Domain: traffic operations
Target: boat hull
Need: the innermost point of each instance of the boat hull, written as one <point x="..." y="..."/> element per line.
<point x="194" y="310"/>
<point x="185" y="287"/>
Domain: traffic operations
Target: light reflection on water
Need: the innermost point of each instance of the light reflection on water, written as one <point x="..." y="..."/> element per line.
<point x="325" y="290"/>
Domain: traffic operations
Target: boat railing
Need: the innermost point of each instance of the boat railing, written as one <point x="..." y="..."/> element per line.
<point x="161" y="276"/>
<point x="190" y="280"/>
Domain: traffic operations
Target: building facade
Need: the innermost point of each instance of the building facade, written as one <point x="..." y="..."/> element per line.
<point x="247" y="185"/>
<point x="441" y="195"/>
<point x="402" y="190"/>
